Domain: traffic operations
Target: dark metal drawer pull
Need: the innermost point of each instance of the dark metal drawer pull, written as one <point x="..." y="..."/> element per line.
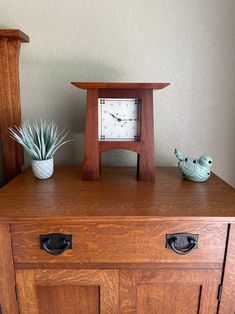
<point x="55" y="243"/>
<point x="182" y="243"/>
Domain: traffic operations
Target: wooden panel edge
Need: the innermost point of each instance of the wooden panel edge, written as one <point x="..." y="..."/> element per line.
<point x="214" y="266"/>
<point x="227" y="304"/>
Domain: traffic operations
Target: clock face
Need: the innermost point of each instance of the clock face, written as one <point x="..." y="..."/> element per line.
<point x="118" y="119"/>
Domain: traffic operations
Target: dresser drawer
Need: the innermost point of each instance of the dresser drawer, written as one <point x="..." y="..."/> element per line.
<point x="120" y="242"/>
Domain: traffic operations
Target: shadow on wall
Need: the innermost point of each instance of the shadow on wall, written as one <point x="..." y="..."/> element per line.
<point x="119" y="157"/>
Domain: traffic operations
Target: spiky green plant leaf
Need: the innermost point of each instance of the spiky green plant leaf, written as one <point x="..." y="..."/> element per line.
<point x="41" y="139"/>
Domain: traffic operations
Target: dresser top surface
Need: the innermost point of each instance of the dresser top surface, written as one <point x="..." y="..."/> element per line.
<point x="117" y="194"/>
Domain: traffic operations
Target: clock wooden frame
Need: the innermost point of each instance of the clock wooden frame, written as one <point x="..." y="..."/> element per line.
<point x="144" y="147"/>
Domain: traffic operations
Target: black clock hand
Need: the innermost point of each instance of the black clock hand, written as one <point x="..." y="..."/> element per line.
<point x="119" y="120"/>
<point x="129" y="119"/>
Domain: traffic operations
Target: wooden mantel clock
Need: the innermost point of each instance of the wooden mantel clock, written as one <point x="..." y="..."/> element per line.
<point x="119" y="116"/>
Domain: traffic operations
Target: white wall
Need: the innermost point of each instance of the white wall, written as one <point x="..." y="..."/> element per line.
<point x="189" y="43"/>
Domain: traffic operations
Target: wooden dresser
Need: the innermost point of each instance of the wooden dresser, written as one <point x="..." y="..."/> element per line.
<point x="124" y="246"/>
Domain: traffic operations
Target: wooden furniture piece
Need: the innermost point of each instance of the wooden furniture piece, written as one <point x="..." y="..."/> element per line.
<point x="10" y="114"/>
<point x="143" y="147"/>
<point x="116" y="257"/>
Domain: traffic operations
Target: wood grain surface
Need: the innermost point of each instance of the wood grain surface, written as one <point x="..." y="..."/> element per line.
<point x="120" y="221"/>
<point x="7" y="276"/>
<point x="66" y="197"/>
<point x="91" y="164"/>
<point x="68" y="299"/>
<point x="10" y="113"/>
<point x="131" y="146"/>
<point x="171" y="291"/>
<point x="14" y="34"/>
<point x="119" y="85"/>
<point x="182" y="298"/>
<point x="227" y="304"/>
<point x="106" y="280"/>
<point x="145" y="161"/>
<point x="123" y="242"/>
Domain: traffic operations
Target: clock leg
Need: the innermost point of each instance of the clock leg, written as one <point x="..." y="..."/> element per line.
<point x="91" y="163"/>
<point x="100" y="162"/>
<point x="145" y="167"/>
<point x="145" y="159"/>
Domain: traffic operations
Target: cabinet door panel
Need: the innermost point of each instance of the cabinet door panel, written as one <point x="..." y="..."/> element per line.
<point x="68" y="291"/>
<point x="151" y="298"/>
<point x="169" y="291"/>
<point x="75" y="299"/>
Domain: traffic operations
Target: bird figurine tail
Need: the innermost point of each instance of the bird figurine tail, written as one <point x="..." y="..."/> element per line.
<point x="179" y="155"/>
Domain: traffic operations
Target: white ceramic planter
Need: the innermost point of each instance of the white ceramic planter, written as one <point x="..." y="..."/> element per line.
<point x="43" y="169"/>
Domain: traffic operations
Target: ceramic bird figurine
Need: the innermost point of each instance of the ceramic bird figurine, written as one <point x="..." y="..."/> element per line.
<point x="197" y="170"/>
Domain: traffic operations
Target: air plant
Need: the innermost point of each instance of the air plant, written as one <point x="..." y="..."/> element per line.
<point x="41" y="139"/>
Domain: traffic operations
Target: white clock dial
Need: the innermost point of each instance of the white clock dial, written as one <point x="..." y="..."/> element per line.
<point x="118" y="119"/>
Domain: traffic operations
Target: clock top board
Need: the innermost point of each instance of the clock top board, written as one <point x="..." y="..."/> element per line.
<point x="119" y="116"/>
<point x="119" y="85"/>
